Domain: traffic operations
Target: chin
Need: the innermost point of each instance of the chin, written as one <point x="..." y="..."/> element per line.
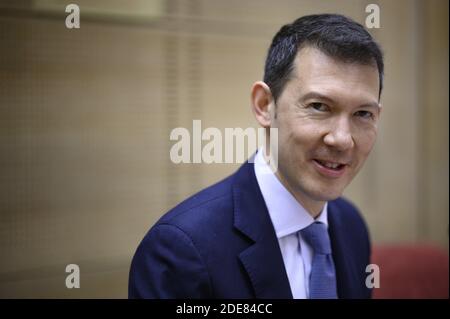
<point x="326" y="195"/>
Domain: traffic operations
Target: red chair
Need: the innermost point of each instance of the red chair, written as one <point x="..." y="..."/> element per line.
<point x="411" y="271"/>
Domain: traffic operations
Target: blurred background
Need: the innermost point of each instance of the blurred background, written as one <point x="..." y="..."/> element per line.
<point x="86" y="116"/>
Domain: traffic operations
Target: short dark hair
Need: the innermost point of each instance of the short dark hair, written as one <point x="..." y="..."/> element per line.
<point x="334" y="34"/>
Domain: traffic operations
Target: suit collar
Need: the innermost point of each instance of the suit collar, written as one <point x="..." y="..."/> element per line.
<point x="262" y="260"/>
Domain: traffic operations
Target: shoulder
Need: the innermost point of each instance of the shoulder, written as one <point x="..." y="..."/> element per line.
<point x="345" y="204"/>
<point x="180" y="241"/>
<point x="346" y="217"/>
<point x="343" y="210"/>
<point x="205" y="206"/>
<point x="205" y="217"/>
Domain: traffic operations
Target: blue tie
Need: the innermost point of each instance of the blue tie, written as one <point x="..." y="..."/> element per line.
<point x="322" y="281"/>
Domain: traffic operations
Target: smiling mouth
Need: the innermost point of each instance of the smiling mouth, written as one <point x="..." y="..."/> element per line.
<point x="330" y="169"/>
<point x="330" y="165"/>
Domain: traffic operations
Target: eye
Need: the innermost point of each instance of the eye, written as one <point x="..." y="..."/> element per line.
<point x="319" y="106"/>
<point x="364" y="114"/>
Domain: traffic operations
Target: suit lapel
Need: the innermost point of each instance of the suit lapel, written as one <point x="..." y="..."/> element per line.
<point x="262" y="260"/>
<point x="345" y="272"/>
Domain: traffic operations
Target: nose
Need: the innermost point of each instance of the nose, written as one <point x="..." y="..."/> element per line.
<point x="340" y="135"/>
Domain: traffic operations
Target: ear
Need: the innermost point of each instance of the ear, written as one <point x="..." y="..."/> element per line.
<point x="262" y="103"/>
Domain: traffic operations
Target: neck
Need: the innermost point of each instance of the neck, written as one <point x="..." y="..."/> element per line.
<point x="314" y="208"/>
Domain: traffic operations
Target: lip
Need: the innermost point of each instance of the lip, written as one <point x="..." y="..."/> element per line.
<point x="328" y="172"/>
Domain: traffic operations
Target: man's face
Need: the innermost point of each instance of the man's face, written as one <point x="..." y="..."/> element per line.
<point x="327" y="120"/>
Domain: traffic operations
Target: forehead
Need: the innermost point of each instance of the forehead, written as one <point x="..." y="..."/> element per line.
<point x="316" y="71"/>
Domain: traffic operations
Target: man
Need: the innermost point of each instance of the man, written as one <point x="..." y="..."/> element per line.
<point x="284" y="233"/>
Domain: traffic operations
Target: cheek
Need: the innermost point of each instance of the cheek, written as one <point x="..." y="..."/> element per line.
<point x="365" y="142"/>
<point x="298" y="141"/>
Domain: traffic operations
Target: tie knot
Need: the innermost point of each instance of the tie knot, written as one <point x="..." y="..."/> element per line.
<point x="316" y="235"/>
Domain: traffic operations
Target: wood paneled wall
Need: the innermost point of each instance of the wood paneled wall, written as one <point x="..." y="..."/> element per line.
<point x="86" y="115"/>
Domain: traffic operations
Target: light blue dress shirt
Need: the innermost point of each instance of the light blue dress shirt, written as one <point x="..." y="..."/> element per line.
<point x="288" y="218"/>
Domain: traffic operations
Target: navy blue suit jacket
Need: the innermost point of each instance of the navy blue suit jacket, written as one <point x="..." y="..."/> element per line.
<point x="220" y="243"/>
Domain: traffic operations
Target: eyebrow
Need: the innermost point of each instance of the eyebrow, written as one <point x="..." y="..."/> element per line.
<point x="316" y="95"/>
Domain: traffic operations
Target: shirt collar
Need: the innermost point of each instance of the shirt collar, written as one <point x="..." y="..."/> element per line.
<point x="287" y="214"/>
